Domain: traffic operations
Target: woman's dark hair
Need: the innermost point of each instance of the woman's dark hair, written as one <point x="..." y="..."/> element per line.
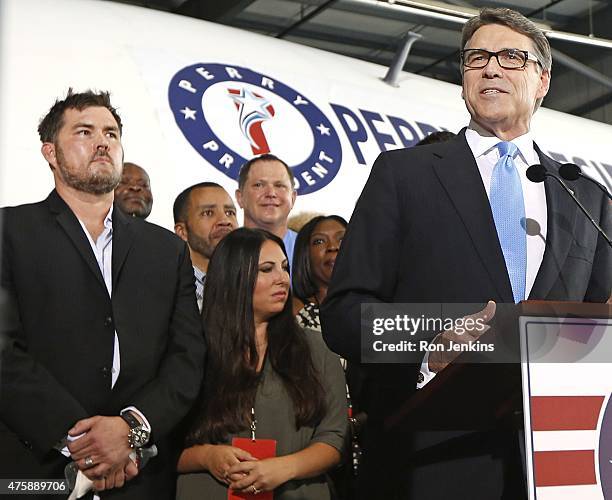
<point x="302" y="281"/>
<point x="229" y="324"/>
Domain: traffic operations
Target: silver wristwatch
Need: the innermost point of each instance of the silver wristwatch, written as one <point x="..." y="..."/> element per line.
<point x="138" y="435"/>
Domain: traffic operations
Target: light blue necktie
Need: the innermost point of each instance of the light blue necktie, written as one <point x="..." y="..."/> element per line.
<point x="508" y="210"/>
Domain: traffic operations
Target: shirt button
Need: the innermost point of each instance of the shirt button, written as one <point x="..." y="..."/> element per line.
<point x="105" y="371"/>
<point x="108" y="321"/>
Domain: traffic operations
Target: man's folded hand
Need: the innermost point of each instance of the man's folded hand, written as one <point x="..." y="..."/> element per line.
<point x="104" y="449"/>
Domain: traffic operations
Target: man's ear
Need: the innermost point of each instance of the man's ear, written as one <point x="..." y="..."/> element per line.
<point x="48" y="151"/>
<point x="180" y="229"/>
<point x="239" y="198"/>
<point x="544" y="84"/>
<point x="293" y="198"/>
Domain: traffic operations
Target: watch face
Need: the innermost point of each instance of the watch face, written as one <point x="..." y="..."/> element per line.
<point x="139" y="437"/>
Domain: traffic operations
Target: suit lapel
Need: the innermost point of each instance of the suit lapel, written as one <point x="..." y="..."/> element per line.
<point x="123" y="237"/>
<point x="70" y="224"/>
<point x="457" y="170"/>
<point x="561" y="213"/>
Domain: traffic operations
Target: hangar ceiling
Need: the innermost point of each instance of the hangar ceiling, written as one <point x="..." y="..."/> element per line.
<point x="373" y="30"/>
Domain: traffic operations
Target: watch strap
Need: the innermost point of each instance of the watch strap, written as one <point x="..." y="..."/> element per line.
<point x="131" y="420"/>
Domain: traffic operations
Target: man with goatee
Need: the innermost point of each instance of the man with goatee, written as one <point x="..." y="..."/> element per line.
<point x="107" y="354"/>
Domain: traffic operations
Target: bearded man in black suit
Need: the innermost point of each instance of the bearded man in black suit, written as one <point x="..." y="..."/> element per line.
<point x="106" y="353"/>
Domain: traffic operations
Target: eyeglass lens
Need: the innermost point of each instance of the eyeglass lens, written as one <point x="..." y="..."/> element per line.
<point x="507" y="58"/>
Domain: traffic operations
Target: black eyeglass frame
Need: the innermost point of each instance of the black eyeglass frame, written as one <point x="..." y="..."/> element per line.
<point x="527" y="54"/>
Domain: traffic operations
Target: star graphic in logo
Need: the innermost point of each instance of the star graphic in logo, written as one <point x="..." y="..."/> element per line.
<point x="323" y="129"/>
<point x="189" y="113"/>
<point x="252" y="111"/>
<point x="251" y="106"/>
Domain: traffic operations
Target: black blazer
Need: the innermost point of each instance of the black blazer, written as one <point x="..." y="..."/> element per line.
<point x="422" y="231"/>
<point x="56" y="364"/>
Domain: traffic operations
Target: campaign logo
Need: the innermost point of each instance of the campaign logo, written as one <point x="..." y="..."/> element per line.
<point x="230" y="114"/>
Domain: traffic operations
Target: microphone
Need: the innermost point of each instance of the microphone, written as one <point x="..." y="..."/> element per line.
<point x="571" y="172"/>
<point x="537" y="173"/>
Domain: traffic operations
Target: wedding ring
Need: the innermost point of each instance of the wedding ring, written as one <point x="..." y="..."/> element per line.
<point x="88" y="461"/>
<point x="255" y="490"/>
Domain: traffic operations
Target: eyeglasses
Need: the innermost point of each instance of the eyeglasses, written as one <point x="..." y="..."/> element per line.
<point x="506" y="58"/>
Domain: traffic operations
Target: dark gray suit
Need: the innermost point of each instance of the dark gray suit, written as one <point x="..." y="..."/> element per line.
<point x="423" y="232"/>
<point x="56" y="364"/>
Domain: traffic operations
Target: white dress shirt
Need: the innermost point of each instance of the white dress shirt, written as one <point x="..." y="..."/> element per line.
<point x="483" y="147"/>
<point x="534" y="196"/>
<point x="103" y="251"/>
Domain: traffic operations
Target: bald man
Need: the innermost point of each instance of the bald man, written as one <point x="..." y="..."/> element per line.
<point x="133" y="194"/>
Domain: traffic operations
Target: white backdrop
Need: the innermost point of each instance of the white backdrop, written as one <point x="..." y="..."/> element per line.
<point x="135" y="52"/>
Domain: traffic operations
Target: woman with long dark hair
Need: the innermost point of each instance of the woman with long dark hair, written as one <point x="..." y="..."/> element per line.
<point x="316" y="248"/>
<point x="264" y="375"/>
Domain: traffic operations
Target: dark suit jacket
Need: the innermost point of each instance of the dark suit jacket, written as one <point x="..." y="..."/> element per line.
<point x="57" y="359"/>
<point x="423" y="232"/>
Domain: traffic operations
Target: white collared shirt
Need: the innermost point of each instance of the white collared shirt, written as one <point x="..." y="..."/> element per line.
<point x="486" y="154"/>
<point x="103" y="251"/>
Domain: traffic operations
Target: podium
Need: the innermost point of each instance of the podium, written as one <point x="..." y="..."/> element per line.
<point x="543" y="418"/>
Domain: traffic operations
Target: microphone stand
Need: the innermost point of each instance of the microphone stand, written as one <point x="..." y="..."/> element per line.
<point x="537" y="174"/>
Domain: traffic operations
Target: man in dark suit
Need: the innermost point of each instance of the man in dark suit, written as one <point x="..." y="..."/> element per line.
<point x="106" y="355"/>
<point x="203" y="215"/>
<point x="431" y="227"/>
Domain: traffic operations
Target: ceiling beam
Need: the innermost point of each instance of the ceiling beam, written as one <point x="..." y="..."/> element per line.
<point x="212" y="11"/>
<point x="590" y="106"/>
<point x="315" y="12"/>
<point x="345" y="36"/>
<point x="581" y="68"/>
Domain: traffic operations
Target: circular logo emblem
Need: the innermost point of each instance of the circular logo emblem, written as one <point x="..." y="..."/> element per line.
<point x="230" y="114"/>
